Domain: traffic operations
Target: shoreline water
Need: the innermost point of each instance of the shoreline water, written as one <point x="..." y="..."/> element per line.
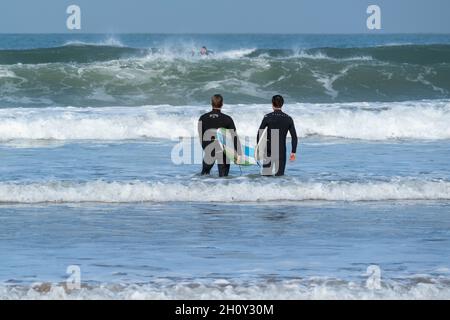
<point x="136" y="251"/>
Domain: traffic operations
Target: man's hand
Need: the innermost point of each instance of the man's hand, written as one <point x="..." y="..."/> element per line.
<point x="292" y="157"/>
<point x="237" y="159"/>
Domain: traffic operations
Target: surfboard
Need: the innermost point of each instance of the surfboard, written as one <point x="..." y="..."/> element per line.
<point x="261" y="147"/>
<point x="225" y="139"/>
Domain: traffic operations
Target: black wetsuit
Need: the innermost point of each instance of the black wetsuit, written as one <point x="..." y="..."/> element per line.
<point x="209" y="123"/>
<point x="277" y="120"/>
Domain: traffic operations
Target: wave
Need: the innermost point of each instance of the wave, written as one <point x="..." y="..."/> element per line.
<point x="80" y="75"/>
<point x="85" y="52"/>
<point x="419" y="120"/>
<point x="411" y="54"/>
<point x="111" y="42"/>
<point x="214" y="191"/>
<point x="70" y="53"/>
<point x="82" y="52"/>
<point x="315" y="288"/>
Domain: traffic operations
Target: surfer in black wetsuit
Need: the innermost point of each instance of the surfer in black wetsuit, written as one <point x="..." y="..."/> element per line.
<point x="278" y="125"/>
<point x="207" y="128"/>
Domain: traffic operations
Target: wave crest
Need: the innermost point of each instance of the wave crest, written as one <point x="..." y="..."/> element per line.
<point x="214" y="191"/>
<point x="86" y="74"/>
<point x="112" y="49"/>
<point x="367" y="121"/>
<point x="419" y="287"/>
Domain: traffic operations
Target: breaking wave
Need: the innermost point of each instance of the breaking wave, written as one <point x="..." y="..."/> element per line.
<point x="214" y="191"/>
<point x="82" y="52"/>
<point x="368" y="121"/>
<point x="414" y="287"/>
<point x="100" y="75"/>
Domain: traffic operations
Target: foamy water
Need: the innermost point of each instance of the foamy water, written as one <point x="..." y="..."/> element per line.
<point x="215" y="191"/>
<point x="312" y="289"/>
<point x="422" y="120"/>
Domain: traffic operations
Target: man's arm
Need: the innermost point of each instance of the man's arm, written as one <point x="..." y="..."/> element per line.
<point x="294" y="138"/>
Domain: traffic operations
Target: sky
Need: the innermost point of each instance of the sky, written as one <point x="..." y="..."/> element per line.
<point x="225" y="16"/>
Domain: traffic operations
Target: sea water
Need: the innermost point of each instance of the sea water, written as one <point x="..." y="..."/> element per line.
<point x="88" y="125"/>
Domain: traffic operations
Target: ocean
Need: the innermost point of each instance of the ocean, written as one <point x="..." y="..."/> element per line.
<point x="88" y="128"/>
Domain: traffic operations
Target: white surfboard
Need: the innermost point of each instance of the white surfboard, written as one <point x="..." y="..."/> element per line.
<point x="226" y="142"/>
<point x="261" y="147"/>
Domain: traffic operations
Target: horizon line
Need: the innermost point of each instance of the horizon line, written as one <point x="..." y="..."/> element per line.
<point x="376" y="33"/>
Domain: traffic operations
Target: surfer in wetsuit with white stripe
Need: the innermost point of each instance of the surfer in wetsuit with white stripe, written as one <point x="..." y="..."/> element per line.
<point x="278" y="125"/>
<point x="207" y="129"/>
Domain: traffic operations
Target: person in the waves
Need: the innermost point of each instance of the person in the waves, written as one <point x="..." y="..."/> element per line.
<point x="203" y="52"/>
<point x="278" y="125"/>
<point x="207" y="129"/>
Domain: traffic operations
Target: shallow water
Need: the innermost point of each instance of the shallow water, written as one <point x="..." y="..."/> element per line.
<point x="162" y="248"/>
<point x="255" y="232"/>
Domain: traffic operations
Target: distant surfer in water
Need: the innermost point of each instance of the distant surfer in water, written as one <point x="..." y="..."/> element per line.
<point x="207" y="129"/>
<point x="278" y="125"/>
<point x="203" y="52"/>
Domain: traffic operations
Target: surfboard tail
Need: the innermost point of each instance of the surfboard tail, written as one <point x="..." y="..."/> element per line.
<point x="226" y="142"/>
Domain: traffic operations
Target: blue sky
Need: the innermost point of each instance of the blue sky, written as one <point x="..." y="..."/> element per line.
<point x="225" y="16"/>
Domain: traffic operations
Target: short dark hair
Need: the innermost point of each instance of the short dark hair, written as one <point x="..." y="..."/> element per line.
<point x="217" y="101"/>
<point x="277" y="101"/>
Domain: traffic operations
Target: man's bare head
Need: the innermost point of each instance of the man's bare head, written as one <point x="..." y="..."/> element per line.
<point x="277" y="101"/>
<point x="217" y="101"/>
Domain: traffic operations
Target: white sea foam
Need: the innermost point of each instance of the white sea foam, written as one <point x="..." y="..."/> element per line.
<point x="4" y="73"/>
<point x="110" y="42"/>
<point x="239" y="190"/>
<point x="93" y="123"/>
<point x="327" y="81"/>
<point x="368" y="121"/>
<point x="313" y="288"/>
<point x="233" y="54"/>
<point x="322" y="56"/>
